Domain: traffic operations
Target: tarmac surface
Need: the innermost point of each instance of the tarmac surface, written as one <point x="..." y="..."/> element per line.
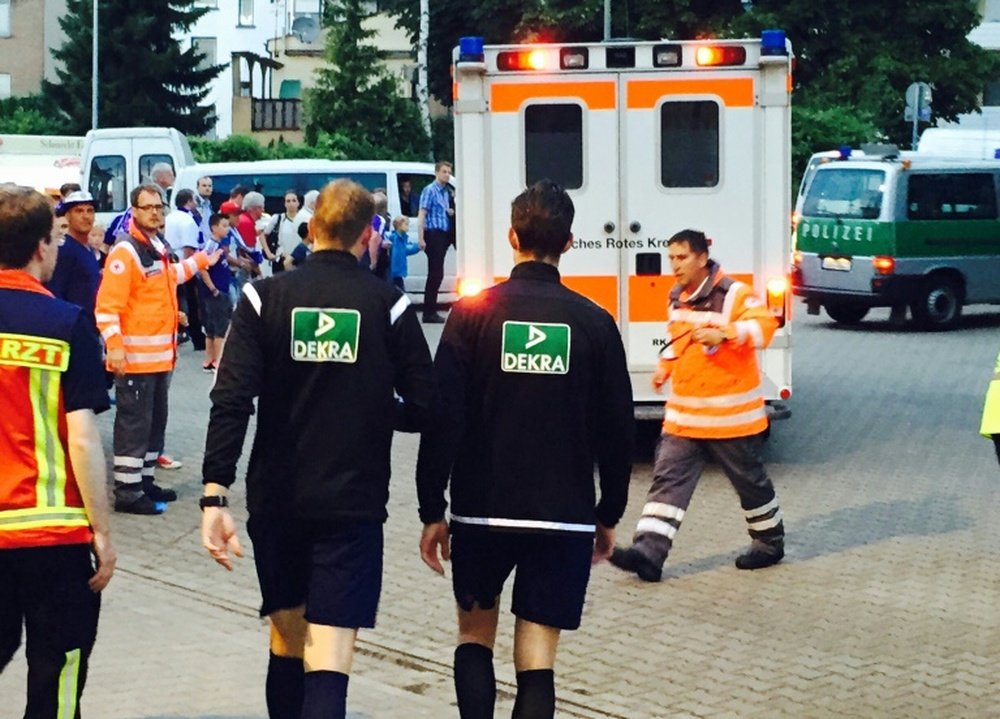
<point x="887" y="603"/>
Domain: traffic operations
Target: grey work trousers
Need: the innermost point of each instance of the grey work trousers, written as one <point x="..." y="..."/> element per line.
<point x="140" y="428"/>
<point x="680" y="462"/>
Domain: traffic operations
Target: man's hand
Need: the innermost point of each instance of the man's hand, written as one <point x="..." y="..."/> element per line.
<point x="604" y="543"/>
<point x="421" y="244"/>
<point x="106" y="560"/>
<point x="433" y="539"/>
<point x="116" y="361"/>
<point x="660" y="377"/>
<point x="218" y="535"/>
<point x="182" y="318"/>
<point x="709" y="336"/>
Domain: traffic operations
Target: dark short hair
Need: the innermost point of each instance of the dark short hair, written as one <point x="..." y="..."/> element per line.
<point x="216" y="218"/>
<point x="144" y="187"/>
<point x="183" y="197"/>
<point x="695" y="238"/>
<point x="303" y="230"/>
<point x="25" y="218"/>
<point x="441" y="163"/>
<point x="542" y="217"/>
<point x="59" y="210"/>
<point x="238" y="191"/>
<point x="68" y="187"/>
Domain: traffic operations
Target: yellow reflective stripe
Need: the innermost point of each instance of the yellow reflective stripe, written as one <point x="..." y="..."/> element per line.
<point x="57" y="452"/>
<point x="69" y="679"/>
<point x="57" y="512"/>
<point x="13" y="520"/>
<point x="35" y="381"/>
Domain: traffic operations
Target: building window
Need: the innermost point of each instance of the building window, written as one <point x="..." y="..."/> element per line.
<point x="208" y="48"/>
<point x="4" y="85"/>
<point x="245" y="18"/>
<point x="4" y="18"/>
<point x="991" y="94"/>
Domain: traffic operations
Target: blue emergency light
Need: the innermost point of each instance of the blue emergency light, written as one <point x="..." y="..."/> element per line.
<point x="470" y="49"/>
<point x="845" y="152"/>
<point x="772" y="42"/>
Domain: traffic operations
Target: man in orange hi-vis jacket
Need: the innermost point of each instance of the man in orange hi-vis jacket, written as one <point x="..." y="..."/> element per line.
<point x="715" y="409"/>
<point x="137" y="315"/>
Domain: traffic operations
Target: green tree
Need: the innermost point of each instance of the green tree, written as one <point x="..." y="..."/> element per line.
<point x="355" y="110"/>
<point x="29" y="115"/>
<point x="145" y="78"/>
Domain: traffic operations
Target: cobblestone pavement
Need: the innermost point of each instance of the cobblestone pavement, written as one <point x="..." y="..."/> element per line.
<point x="887" y="605"/>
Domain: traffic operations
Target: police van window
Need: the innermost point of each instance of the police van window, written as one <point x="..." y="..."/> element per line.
<point x="845" y="193"/>
<point x="107" y="183"/>
<point x="951" y="196"/>
<point x="689" y="144"/>
<point x="274" y="185"/>
<point x="418" y="181"/>
<point x="148" y="162"/>
<point x="553" y="144"/>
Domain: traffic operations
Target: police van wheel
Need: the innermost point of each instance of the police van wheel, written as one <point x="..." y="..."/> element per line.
<point x="846" y="314"/>
<point x="939" y="306"/>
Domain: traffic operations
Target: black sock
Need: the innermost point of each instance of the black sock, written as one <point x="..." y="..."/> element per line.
<point x="284" y="687"/>
<point x="475" y="683"/>
<point x="325" y="695"/>
<point x="536" y="695"/>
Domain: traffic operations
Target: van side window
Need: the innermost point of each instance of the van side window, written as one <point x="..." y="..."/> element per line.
<point x="689" y="144"/>
<point x="553" y="144"/>
<point x="148" y="162"/>
<point x="107" y="183"/>
<point x="274" y="185"/>
<point x="951" y="196"/>
<point x="418" y="181"/>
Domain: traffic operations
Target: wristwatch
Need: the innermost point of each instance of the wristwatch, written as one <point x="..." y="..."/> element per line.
<point x="213" y="501"/>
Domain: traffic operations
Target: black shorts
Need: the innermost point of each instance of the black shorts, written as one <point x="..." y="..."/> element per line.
<point x="552" y="572"/>
<point x="334" y="569"/>
<point x="215" y="314"/>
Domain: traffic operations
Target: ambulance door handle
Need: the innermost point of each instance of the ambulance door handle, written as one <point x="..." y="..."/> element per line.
<point x="609" y="227"/>
<point x="635" y="227"/>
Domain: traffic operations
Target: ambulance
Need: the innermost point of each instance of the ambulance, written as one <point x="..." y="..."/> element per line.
<point x="648" y="138"/>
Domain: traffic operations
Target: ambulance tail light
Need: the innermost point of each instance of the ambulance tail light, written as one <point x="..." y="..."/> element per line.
<point x="785" y="393"/>
<point x="883" y="264"/>
<point x="469" y="287"/>
<point x="716" y="55"/>
<point x="517" y="60"/>
<point x="777" y="298"/>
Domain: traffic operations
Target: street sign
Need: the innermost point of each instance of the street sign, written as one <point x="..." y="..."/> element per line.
<point x="918" y="107"/>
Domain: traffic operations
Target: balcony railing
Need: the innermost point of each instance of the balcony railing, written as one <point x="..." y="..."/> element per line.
<point x="276" y="115"/>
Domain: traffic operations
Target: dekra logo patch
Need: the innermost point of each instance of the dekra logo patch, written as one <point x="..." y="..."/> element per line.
<point x="535" y="348"/>
<point x="325" y="334"/>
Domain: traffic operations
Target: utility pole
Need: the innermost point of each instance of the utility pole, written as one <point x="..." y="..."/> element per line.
<point x="423" y="95"/>
<point x="93" y="74"/>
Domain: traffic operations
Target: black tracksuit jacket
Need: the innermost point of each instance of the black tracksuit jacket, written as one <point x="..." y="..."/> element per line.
<point x="520" y="448"/>
<point x="324" y="428"/>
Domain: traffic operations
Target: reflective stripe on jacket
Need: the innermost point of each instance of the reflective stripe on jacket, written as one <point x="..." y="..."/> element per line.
<point x="715" y="392"/>
<point x="137" y="301"/>
<point x="991" y="410"/>
<point x="40" y="503"/>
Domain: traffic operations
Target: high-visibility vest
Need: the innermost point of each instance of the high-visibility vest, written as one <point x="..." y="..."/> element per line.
<point x="40" y="502"/>
<point x="137" y="301"/>
<point x="991" y="410"/>
<point x="715" y="393"/>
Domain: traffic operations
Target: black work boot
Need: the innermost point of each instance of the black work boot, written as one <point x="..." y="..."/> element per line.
<point x="136" y="503"/>
<point x="156" y="492"/>
<point x="632" y="560"/>
<point x="761" y="554"/>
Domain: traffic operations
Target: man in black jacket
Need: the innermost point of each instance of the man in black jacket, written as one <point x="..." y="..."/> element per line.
<point x="323" y="350"/>
<point x="534" y="392"/>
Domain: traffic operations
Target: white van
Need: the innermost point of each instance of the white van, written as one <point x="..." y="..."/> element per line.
<point x="974" y="143"/>
<point x="273" y="178"/>
<point x="116" y="159"/>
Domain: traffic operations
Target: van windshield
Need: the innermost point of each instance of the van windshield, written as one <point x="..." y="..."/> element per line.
<point x="843" y="192"/>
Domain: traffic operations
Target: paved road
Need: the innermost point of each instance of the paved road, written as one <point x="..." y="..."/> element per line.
<point x="888" y="603"/>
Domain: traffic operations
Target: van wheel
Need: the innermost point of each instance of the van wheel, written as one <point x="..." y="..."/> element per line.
<point x="846" y="314"/>
<point x="939" y="304"/>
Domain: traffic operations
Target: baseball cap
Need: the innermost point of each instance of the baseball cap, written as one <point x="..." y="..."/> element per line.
<point x="229" y="208"/>
<point x="79" y="197"/>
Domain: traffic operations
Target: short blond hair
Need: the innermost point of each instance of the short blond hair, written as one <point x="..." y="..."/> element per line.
<point x="343" y="210"/>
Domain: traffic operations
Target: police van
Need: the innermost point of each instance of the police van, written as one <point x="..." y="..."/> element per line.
<point x="273" y="178"/>
<point x="648" y="138"/>
<point x="899" y="231"/>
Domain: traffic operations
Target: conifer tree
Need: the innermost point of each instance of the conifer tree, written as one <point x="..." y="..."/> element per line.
<point x="145" y="78"/>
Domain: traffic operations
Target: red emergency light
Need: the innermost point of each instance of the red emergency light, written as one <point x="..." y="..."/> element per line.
<point x="715" y="55"/>
<point x="513" y="60"/>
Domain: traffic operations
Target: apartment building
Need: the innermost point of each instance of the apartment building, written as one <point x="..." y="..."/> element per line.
<point x="29" y="31"/>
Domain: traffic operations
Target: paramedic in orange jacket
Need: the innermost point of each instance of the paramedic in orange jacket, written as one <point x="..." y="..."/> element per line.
<point x="715" y="409"/>
<point x="137" y="315"/>
<point x="53" y="507"/>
